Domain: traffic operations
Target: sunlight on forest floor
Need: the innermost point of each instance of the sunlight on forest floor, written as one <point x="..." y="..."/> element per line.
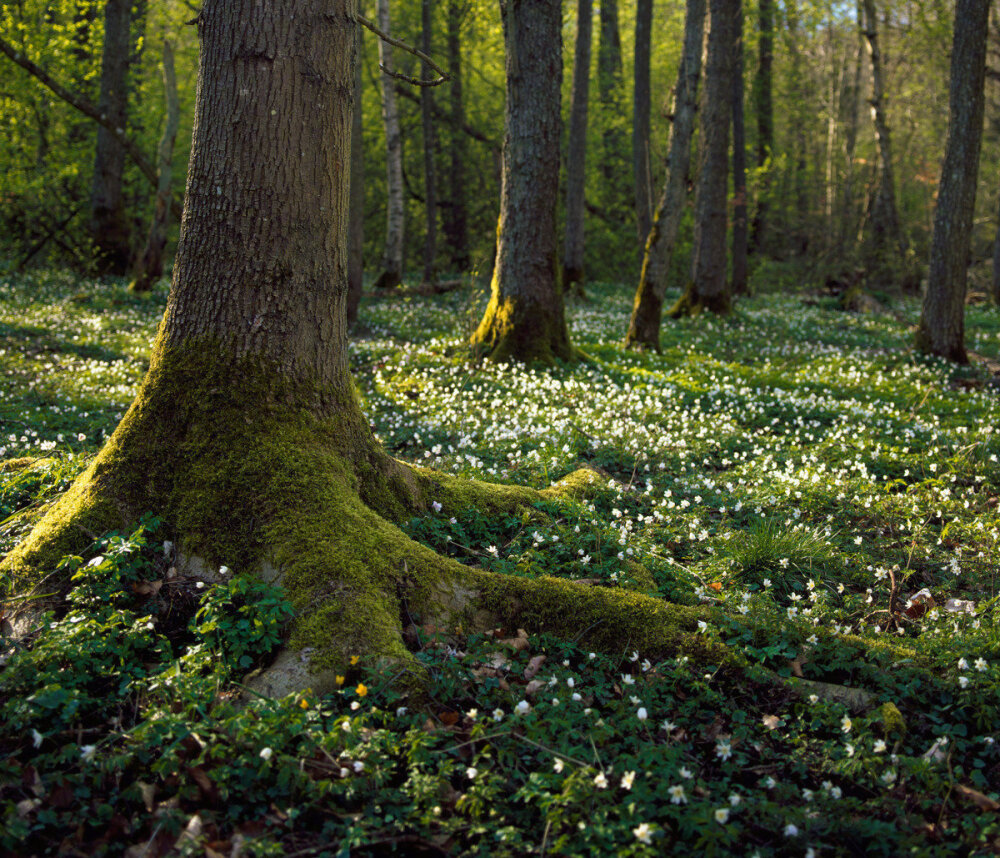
<point x="795" y="465"/>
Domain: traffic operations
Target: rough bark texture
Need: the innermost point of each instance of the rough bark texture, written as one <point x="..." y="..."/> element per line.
<point x="576" y="152"/>
<point x="356" y="211"/>
<point x="886" y="237"/>
<point x="942" y="320"/>
<point x="455" y="214"/>
<point x="150" y="265"/>
<point x="640" y="121"/>
<point x="764" y="112"/>
<point x="647" y="308"/>
<point x="430" y="146"/>
<point x="525" y="319"/>
<point x="109" y="226"/>
<point x="738" y="277"/>
<point x="709" y="287"/>
<point x="392" y="261"/>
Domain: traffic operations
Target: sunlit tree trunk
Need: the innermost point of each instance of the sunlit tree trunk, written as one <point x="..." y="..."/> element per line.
<point x="738" y="277"/>
<point x="647" y="308"/>
<point x="576" y="153"/>
<point x="942" y="320"/>
<point x="149" y="268"/>
<point x="763" y="106"/>
<point x="640" y="120"/>
<point x="392" y="261"/>
<point x="525" y="319"/>
<point x="109" y="227"/>
<point x="709" y="286"/>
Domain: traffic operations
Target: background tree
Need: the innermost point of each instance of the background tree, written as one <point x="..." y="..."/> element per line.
<point x="392" y="259"/>
<point x="525" y="319"/>
<point x="576" y="152"/>
<point x="612" y="100"/>
<point x="942" y="320"/>
<point x="647" y="308"/>
<point x="356" y="205"/>
<point x="430" y="145"/>
<point x="764" y="112"/>
<point x="641" y="167"/>
<point x="455" y="214"/>
<point x="709" y="285"/>
<point x="738" y="279"/>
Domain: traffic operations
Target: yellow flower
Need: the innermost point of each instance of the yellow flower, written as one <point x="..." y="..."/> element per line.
<point x="340" y="680"/>
<point x="303" y="704"/>
<point x="361" y="690"/>
<point x="355" y="659"/>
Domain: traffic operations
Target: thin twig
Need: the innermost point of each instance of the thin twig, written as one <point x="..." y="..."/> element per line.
<point x="385" y="37"/>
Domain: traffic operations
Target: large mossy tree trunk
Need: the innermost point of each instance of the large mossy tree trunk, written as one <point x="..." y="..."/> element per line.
<point x="641" y="168"/>
<point x="647" y="308"/>
<point x="708" y="288"/>
<point x="109" y="226"/>
<point x="942" y="319"/>
<point x="395" y="212"/>
<point x="576" y="150"/>
<point x="525" y="319"/>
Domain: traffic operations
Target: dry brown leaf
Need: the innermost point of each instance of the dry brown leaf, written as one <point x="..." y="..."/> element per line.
<point x="534" y="666"/>
<point x="771" y="722"/>
<point x="533" y="687"/>
<point x="983" y="802"/>
<point x="449" y="719"/>
<point x="148" y="792"/>
<point x="919" y="603"/>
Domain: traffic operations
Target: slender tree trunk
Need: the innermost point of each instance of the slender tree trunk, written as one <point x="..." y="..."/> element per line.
<point x="942" y="320"/>
<point x="577" y="149"/>
<point x="647" y="308"/>
<point x="455" y="220"/>
<point x="764" y="113"/>
<point x="356" y="206"/>
<point x="640" y="121"/>
<point x="709" y="287"/>
<point x="797" y="227"/>
<point x="150" y="265"/>
<point x="996" y="264"/>
<point x="848" y="219"/>
<point x="612" y="102"/>
<point x="430" y="146"/>
<point x="109" y="226"/>
<point x="738" y="277"/>
<point x="525" y="319"/>
<point x="392" y="261"/>
<point x="886" y="234"/>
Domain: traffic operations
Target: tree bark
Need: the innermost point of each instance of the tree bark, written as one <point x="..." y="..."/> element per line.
<point x="356" y="206"/>
<point x="848" y="219"/>
<point x="150" y="265"/>
<point x="455" y="214"/>
<point x="709" y="287"/>
<point x="886" y="239"/>
<point x="430" y="146"/>
<point x="525" y="319"/>
<point x="647" y="308"/>
<point x="392" y="261"/>
<point x="611" y="162"/>
<point x="738" y="276"/>
<point x="109" y="227"/>
<point x="764" y="112"/>
<point x="576" y="153"/>
<point x="942" y="319"/>
<point x="640" y="121"/>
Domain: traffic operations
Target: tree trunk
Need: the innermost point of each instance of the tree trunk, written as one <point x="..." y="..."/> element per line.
<point x="525" y="319"/>
<point x="109" y="226"/>
<point x="764" y="111"/>
<point x="886" y="240"/>
<point x="942" y="320"/>
<point x="392" y="262"/>
<point x="356" y="206"/>
<point x="996" y="264"/>
<point x="430" y="146"/>
<point x="709" y="287"/>
<point x="647" y="308"/>
<point x="738" y="277"/>
<point x="848" y="219"/>
<point x="576" y="153"/>
<point x="150" y="266"/>
<point x="612" y="104"/>
<point x="640" y="121"/>
<point x="455" y="215"/>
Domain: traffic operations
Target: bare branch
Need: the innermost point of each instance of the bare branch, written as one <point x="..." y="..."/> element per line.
<point x="385" y="37"/>
<point x="87" y="108"/>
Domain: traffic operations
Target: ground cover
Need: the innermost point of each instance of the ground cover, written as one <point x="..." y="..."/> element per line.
<point x="828" y="499"/>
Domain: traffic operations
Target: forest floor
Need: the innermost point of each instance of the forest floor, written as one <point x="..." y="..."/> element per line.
<point x="795" y="466"/>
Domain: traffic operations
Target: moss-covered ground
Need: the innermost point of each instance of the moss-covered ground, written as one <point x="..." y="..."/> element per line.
<point x="821" y="504"/>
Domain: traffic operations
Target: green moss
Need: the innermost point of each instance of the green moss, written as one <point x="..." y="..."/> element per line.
<point x="891" y="720"/>
<point x="512" y="331"/>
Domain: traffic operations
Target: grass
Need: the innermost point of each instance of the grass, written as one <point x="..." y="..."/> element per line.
<point x="797" y="467"/>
